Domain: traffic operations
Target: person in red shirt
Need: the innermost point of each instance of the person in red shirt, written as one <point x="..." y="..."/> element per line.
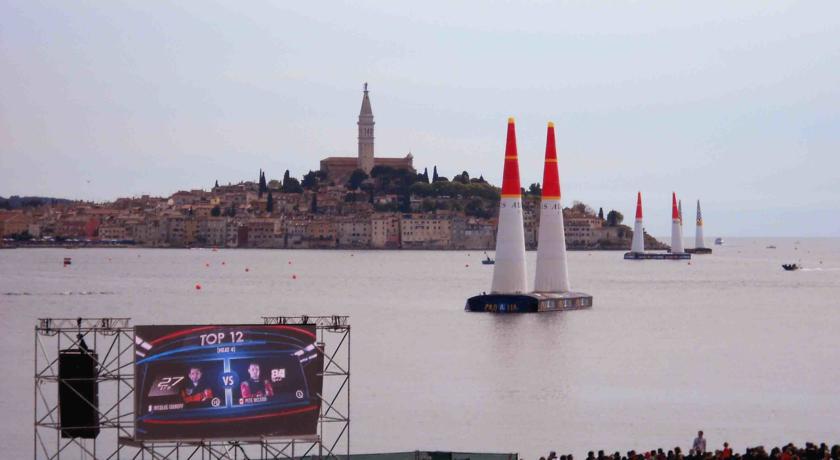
<point x="196" y="390"/>
<point x="727" y="451"/>
<point x="255" y="387"/>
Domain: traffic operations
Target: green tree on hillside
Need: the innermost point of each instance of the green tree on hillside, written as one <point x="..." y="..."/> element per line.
<point x="356" y="178"/>
<point x="614" y="218"/>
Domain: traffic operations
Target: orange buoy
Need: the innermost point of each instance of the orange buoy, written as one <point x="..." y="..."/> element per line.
<point x="197" y="287"/>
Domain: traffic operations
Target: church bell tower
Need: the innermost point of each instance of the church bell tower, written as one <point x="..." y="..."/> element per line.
<point x="366" y="134"/>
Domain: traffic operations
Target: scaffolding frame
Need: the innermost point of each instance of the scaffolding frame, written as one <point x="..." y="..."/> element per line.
<point x="112" y="339"/>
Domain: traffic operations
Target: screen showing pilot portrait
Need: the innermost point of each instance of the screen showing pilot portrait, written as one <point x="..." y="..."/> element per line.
<point x="226" y="382"/>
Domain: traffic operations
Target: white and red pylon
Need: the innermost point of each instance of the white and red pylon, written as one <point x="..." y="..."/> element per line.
<point x="552" y="274"/>
<point x="509" y="274"/>
<point x="638" y="245"/>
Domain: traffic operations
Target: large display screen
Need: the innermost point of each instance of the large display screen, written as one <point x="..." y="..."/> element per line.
<point x="226" y="381"/>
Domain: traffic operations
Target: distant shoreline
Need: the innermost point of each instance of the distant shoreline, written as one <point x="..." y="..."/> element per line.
<point x="89" y="245"/>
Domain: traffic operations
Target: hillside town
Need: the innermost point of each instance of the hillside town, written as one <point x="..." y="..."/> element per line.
<point x="359" y="202"/>
<point x="457" y="214"/>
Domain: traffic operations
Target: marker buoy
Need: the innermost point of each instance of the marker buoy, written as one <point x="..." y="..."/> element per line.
<point x="223" y="262"/>
<point x="467" y="265"/>
<point x="207" y="265"/>
<point x="247" y="269"/>
<point x="294" y="277"/>
<point x="197" y="287"/>
<point x="290" y="262"/>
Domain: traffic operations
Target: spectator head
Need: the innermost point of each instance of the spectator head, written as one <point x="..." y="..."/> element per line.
<point x="700" y="434"/>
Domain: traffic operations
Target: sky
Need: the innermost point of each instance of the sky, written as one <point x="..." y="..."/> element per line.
<point x="736" y="104"/>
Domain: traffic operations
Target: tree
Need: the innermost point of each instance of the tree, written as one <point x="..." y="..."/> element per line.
<point x="434" y="174"/>
<point x="601" y="213"/>
<point x="426" y="175"/>
<point x="262" y="187"/>
<point x="310" y="180"/>
<point x="614" y="218"/>
<point x="286" y="177"/>
<point x="314" y="206"/>
<point x="463" y="178"/>
<point x="356" y="178"/>
<point x="291" y="185"/>
<point x="582" y="208"/>
<point x="216" y="211"/>
<point x="217" y="184"/>
<point x="269" y="203"/>
<point x="535" y="189"/>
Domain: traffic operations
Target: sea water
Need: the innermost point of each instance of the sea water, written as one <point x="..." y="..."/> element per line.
<point x="729" y="343"/>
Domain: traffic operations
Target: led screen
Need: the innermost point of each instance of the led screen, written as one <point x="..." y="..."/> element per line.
<point x="226" y="381"/>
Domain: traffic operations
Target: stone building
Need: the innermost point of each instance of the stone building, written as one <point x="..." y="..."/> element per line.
<point x="425" y="231"/>
<point x="339" y="169"/>
<point x="354" y="232"/>
<point x="385" y="230"/>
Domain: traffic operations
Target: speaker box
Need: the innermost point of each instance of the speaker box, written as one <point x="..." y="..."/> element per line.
<point x="78" y="394"/>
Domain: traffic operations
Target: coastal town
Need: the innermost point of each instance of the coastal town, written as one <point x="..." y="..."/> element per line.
<point x="354" y="202"/>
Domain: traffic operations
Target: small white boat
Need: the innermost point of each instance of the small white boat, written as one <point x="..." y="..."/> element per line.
<point x="719" y="241"/>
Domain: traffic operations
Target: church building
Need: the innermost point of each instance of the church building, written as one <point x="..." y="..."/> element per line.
<point x="339" y="169"/>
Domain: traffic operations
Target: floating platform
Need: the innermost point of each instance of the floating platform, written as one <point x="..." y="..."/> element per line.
<point x="529" y="303"/>
<point x="656" y="256"/>
<point x="699" y="250"/>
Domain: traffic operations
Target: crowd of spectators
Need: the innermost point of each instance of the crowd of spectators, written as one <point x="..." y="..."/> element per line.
<point x="698" y="451"/>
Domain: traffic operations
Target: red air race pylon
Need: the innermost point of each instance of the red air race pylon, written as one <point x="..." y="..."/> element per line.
<point x="638" y="245"/>
<point x="676" y="227"/>
<point x="509" y="271"/>
<point x="552" y="271"/>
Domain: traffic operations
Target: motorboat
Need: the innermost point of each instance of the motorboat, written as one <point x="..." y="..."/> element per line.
<point x="488" y="260"/>
<point x="719" y="241"/>
<point x="791" y="267"/>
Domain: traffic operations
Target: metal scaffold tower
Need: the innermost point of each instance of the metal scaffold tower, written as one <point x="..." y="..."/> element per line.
<point x="110" y="341"/>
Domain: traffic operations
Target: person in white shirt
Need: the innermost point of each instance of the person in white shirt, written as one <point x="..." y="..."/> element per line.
<point x="699" y="446"/>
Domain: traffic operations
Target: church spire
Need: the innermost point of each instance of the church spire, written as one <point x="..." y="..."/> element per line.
<point x="365" y="124"/>
<point x="366" y="110"/>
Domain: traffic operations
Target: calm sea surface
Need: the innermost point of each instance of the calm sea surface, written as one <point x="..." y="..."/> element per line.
<point x="730" y="343"/>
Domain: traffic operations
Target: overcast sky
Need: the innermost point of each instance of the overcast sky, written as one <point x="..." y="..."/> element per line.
<point x="734" y="103"/>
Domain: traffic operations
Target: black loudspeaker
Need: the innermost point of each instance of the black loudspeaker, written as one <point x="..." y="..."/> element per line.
<point x="78" y="394"/>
